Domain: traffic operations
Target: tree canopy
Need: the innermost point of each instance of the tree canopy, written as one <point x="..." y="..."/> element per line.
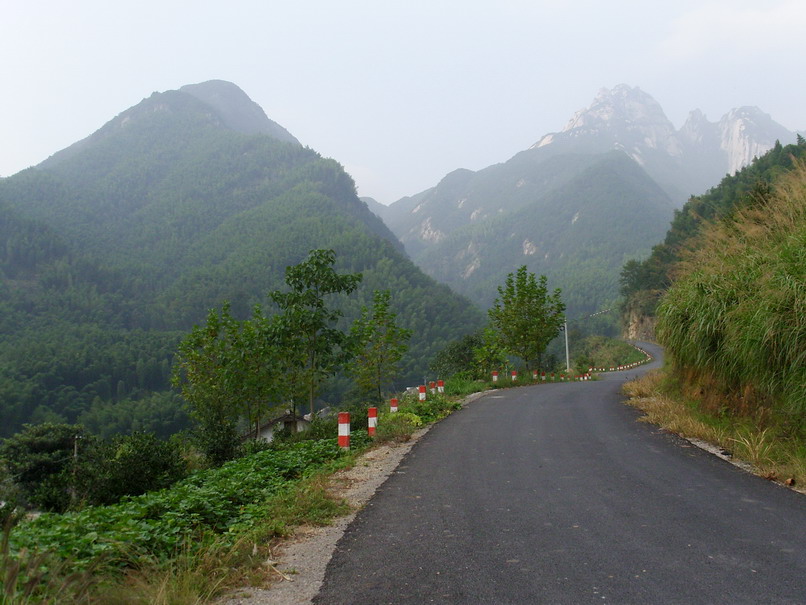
<point x="526" y="316"/>
<point x="230" y="370"/>
<point x="379" y="345"/>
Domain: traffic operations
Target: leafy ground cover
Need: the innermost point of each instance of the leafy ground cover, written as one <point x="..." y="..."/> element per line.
<point x="158" y="524"/>
<point x="184" y="543"/>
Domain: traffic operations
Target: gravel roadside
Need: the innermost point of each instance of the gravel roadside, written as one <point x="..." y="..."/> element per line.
<point x="301" y="561"/>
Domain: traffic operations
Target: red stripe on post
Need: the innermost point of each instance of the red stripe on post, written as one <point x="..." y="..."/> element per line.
<point x="495" y="375"/>
<point x="422" y="392"/>
<point x="344" y="430"/>
<point x="393" y="404"/>
<point x="372" y="421"/>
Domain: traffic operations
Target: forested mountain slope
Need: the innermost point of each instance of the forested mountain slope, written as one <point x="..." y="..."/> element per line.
<point x="574" y="218"/>
<point x="643" y="282"/>
<point x="457" y="230"/>
<point x="115" y="246"/>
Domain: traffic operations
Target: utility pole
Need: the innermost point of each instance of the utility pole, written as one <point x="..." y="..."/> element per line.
<point x="567" y="358"/>
<point x="73" y="491"/>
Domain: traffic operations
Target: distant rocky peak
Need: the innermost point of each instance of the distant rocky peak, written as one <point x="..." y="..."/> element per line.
<point x="629" y="104"/>
<point x="621" y="118"/>
<point x="698" y="131"/>
<point x="683" y="161"/>
<point x="746" y="133"/>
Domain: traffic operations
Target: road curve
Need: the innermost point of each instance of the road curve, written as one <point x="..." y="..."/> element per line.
<point x="555" y="494"/>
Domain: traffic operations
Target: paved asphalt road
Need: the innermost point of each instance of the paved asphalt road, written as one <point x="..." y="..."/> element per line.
<point x="555" y="494"/>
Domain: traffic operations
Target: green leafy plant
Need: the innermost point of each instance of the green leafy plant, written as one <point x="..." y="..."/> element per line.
<point x="38" y="577"/>
<point x="218" y="501"/>
<point x="397" y="426"/>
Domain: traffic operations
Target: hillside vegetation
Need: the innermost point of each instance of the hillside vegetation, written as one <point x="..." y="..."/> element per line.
<point x="575" y="219"/>
<point x="727" y="288"/>
<point x="111" y="250"/>
<point x="643" y="282"/>
<point x="734" y="319"/>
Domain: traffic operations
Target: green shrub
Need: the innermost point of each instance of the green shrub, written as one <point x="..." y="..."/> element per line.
<point x="397" y="426"/>
<point x="433" y="408"/>
<point x="128" y="465"/>
<point x="41" y="458"/>
<point x="463" y="384"/>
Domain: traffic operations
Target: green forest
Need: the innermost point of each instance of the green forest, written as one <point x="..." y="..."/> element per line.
<point x="116" y="247"/>
<point x="575" y="234"/>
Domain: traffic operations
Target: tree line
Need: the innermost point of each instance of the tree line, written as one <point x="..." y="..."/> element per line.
<point x="233" y="372"/>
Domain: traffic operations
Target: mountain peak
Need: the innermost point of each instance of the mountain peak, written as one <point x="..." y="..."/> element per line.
<point x="691" y="159"/>
<point x="621" y="118"/>
<point x="747" y="132"/>
<point x="236" y="110"/>
<point x="215" y="102"/>
<point x="625" y="103"/>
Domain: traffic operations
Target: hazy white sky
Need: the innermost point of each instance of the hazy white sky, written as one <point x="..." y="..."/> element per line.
<point x="400" y="93"/>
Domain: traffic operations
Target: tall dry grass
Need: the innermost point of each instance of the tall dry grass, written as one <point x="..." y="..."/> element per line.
<point x="737" y="311"/>
<point x="770" y="450"/>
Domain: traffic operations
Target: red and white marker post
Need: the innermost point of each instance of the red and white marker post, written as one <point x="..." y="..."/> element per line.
<point x="372" y="421"/>
<point x="440" y="386"/>
<point x="422" y="392"/>
<point x="495" y="375"/>
<point x="344" y="430"/>
<point x="393" y="404"/>
<point x="514" y="375"/>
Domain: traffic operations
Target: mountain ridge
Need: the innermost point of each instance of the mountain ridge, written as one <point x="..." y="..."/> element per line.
<point x="624" y="120"/>
<point x="123" y="241"/>
<point x="628" y="118"/>
<point x="577" y="224"/>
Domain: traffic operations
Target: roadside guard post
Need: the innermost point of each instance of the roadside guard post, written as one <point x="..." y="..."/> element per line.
<point x="372" y="421"/>
<point x="495" y="375"/>
<point x="344" y="430"/>
<point x="422" y="392"/>
<point x="393" y="404"/>
<point x="440" y="386"/>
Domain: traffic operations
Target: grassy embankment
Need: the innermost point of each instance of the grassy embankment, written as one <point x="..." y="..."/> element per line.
<point x="734" y="328"/>
<point x="771" y="450"/>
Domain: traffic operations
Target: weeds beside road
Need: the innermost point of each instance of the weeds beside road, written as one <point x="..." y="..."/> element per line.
<point x="768" y="448"/>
